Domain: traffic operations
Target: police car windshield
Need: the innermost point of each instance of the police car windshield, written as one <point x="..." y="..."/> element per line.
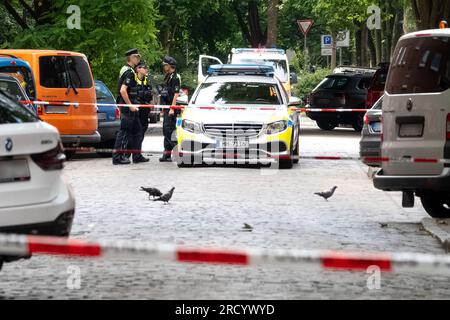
<point x="280" y="66"/>
<point x="228" y="93"/>
<point x="13" y="89"/>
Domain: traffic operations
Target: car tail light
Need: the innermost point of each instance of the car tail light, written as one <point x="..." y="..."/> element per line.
<point x="51" y="160"/>
<point x="448" y="127"/>
<point x="366" y="119"/>
<point x="117" y="113"/>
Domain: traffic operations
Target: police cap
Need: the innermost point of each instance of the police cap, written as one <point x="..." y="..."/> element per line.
<point x="131" y="52"/>
<point x="170" y="61"/>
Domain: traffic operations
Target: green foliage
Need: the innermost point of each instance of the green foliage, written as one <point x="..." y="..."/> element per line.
<point x="308" y="81"/>
<point x="109" y="28"/>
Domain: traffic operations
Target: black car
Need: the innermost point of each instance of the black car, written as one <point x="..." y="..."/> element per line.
<point x="370" y="145"/>
<point x="340" y="91"/>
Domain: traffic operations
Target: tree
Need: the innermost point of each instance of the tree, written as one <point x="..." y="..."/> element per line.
<point x="272" y="22"/>
<point x="429" y="13"/>
<point x="108" y="29"/>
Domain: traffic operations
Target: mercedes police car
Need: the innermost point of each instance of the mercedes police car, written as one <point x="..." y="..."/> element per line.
<point x="240" y="114"/>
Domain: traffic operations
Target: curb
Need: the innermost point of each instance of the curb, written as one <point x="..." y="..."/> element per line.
<point x="432" y="227"/>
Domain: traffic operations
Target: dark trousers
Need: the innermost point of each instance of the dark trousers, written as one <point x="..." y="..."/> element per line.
<point x="169" y="126"/>
<point x="144" y="127"/>
<point x="129" y="136"/>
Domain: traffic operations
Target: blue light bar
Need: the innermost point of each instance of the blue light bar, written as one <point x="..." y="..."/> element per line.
<point x="244" y="69"/>
<point x="258" y="50"/>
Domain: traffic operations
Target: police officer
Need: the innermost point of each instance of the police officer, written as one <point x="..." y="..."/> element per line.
<point x="130" y="126"/>
<point x="169" y="97"/>
<point x="144" y="96"/>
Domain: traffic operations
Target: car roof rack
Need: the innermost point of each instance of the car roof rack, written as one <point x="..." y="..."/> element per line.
<point x="241" y="69"/>
<point x="354" y="70"/>
<point x="257" y="50"/>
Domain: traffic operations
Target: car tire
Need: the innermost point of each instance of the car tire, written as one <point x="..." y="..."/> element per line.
<point x="286" y="164"/>
<point x="154" y="118"/>
<point x="326" y="125"/>
<point x="358" y="124"/>
<point x="437" y="205"/>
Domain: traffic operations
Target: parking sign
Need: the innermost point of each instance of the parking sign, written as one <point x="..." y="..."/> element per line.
<point x="327" y="41"/>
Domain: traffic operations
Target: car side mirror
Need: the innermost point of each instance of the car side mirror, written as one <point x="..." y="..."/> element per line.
<point x="294" y="78"/>
<point x="294" y="102"/>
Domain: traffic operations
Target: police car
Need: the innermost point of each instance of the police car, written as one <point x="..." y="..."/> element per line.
<point x="240" y="114"/>
<point x="416" y="122"/>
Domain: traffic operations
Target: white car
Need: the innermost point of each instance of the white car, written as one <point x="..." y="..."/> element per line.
<point x="241" y="115"/>
<point x="416" y="121"/>
<point x="34" y="198"/>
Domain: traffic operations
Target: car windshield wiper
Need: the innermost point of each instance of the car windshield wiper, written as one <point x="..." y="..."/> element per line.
<point x="69" y="76"/>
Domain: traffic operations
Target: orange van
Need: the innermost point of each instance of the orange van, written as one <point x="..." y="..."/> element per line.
<point x="63" y="76"/>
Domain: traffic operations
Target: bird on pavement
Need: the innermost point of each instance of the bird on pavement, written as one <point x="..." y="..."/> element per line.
<point x="247" y="227"/>
<point x="166" y="197"/>
<point x="326" y="195"/>
<point x="152" y="192"/>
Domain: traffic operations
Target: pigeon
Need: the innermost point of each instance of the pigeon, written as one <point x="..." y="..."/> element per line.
<point x="247" y="227"/>
<point x="152" y="192"/>
<point x="166" y="197"/>
<point x="327" y="195"/>
<point x="384" y="225"/>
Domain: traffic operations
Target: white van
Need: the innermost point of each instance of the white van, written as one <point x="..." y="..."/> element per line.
<point x="276" y="57"/>
<point x="416" y="122"/>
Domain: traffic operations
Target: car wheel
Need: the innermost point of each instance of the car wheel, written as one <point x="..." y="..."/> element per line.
<point x="326" y="125"/>
<point x="437" y="205"/>
<point x="358" y="125"/>
<point x="286" y="164"/>
<point x="69" y="154"/>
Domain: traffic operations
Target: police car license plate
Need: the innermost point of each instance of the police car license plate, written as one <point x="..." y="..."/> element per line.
<point x="233" y="144"/>
<point x="14" y="170"/>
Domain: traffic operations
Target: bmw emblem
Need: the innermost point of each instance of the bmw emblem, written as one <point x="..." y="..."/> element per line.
<point x="9" y="144"/>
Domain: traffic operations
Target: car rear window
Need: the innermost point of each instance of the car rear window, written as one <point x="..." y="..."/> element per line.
<point x="24" y="74"/>
<point x="12" y="112"/>
<point x="337" y="83"/>
<point x="420" y="65"/>
<point x="238" y="93"/>
<point x="12" y="88"/>
<point x="62" y="71"/>
<point x="103" y="94"/>
<point x="364" y="83"/>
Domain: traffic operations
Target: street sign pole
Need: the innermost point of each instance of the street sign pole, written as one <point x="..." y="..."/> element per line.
<point x="305" y="27"/>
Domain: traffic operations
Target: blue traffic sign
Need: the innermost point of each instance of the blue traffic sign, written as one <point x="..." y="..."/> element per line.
<point x="327" y="40"/>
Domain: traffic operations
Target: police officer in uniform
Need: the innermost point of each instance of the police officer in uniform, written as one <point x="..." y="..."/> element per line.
<point x="130" y="126"/>
<point x="144" y="96"/>
<point x="169" y="97"/>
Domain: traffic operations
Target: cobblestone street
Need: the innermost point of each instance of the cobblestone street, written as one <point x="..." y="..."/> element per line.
<point x="210" y="207"/>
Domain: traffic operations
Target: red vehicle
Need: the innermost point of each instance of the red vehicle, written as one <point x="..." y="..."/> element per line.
<point x="376" y="89"/>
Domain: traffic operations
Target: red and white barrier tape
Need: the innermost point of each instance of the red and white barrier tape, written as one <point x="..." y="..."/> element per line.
<point x="24" y="246"/>
<point x="85" y="150"/>
<point x="162" y="107"/>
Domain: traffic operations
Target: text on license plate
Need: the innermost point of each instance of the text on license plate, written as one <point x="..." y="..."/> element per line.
<point x="101" y="116"/>
<point x="56" y="109"/>
<point x="411" y="130"/>
<point x="14" y="170"/>
<point x="233" y="144"/>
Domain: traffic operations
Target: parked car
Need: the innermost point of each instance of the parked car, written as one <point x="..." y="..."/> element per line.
<point x="34" y="198"/>
<point x="376" y="89"/>
<point x="108" y="117"/>
<point x="63" y="76"/>
<point x="370" y="144"/>
<point x="340" y="91"/>
<point x="416" y="122"/>
<point x="21" y="69"/>
<point x="267" y="131"/>
<point x="10" y="86"/>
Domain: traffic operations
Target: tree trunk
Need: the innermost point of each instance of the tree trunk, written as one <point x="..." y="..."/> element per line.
<point x="272" y="23"/>
<point x="372" y="49"/>
<point x="255" y="27"/>
<point x="358" y="39"/>
<point x="429" y="13"/>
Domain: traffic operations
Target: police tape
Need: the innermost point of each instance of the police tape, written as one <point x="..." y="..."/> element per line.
<point x="164" y="107"/>
<point x="233" y="155"/>
<point x="26" y="246"/>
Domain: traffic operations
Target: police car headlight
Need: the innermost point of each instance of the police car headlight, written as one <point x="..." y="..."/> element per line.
<point x="191" y="126"/>
<point x="276" y="127"/>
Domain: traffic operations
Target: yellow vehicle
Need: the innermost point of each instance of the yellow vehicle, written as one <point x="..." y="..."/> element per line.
<point x="240" y="114"/>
